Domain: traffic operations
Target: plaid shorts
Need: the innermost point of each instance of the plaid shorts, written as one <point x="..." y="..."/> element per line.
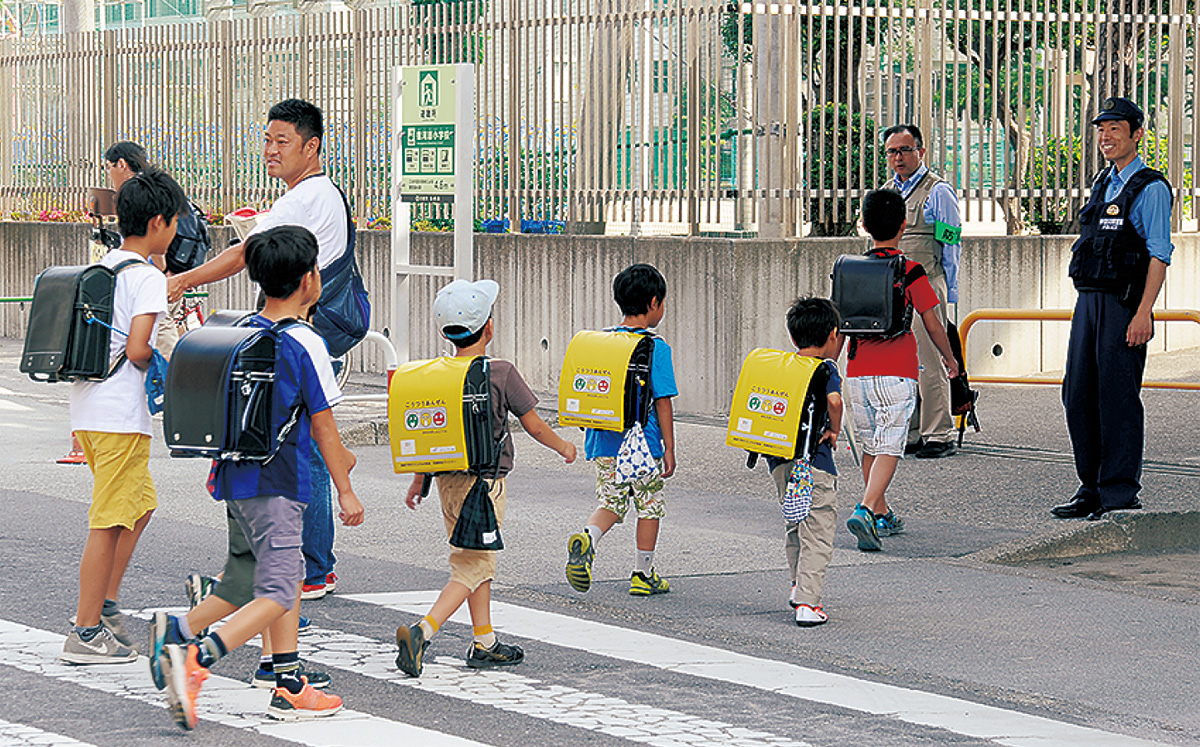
<point x="615" y="496"/>
<point x="882" y="408"/>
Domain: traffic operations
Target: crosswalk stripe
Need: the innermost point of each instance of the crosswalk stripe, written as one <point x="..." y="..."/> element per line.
<point x="20" y="735"/>
<point x="223" y="700"/>
<point x="1005" y="727"/>
<point x="508" y="691"/>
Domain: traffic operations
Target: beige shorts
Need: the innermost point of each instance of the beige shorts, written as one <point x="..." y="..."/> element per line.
<point x="615" y="496"/>
<point x="122" y="491"/>
<point x="468" y="567"/>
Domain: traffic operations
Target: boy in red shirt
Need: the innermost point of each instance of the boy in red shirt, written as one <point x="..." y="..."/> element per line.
<point x="881" y="377"/>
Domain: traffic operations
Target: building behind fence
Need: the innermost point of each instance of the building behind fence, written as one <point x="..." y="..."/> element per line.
<point x="695" y="116"/>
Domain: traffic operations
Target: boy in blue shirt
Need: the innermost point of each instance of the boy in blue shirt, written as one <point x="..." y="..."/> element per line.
<point x="813" y="326"/>
<point x="267" y="499"/>
<point x="640" y="291"/>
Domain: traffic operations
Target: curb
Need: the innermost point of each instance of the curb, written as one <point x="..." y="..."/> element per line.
<point x="1126" y="531"/>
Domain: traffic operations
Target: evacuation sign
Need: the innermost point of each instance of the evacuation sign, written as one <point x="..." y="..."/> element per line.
<point x="427" y="133"/>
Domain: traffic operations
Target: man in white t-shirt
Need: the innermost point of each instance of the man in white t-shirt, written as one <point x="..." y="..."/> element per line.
<point x="292" y="151"/>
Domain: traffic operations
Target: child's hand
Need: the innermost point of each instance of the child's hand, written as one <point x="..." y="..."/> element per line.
<point x="668" y="463"/>
<point x="352" y="509"/>
<point x="951" y="367"/>
<point x="830" y="437"/>
<point x="413" y="499"/>
<point x="567" y="452"/>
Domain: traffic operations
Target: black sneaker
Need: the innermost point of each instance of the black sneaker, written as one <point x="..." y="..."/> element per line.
<point x="936" y="450"/>
<point x="412" y="645"/>
<point x="266" y="680"/>
<point x="499" y="655"/>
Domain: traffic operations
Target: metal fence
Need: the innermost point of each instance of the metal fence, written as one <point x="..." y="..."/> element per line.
<point x="639" y="116"/>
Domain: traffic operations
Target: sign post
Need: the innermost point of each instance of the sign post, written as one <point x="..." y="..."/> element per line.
<point x="433" y="161"/>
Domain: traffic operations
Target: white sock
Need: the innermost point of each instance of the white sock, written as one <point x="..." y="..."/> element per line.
<point x="184" y="629"/>
<point x="594" y="533"/>
<point x="645" y="562"/>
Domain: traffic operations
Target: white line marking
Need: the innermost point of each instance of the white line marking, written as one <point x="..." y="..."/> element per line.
<point x="223" y="700"/>
<point x="13" y="406"/>
<point x="19" y="735"/>
<point x="507" y="691"/>
<point x="1005" y="727"/>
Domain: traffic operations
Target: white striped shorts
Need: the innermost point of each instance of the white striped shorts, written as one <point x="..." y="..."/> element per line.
<point x="882" y="407"/>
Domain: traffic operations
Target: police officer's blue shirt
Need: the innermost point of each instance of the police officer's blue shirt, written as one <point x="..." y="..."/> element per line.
<point x="1150" y="212"/>
<point x="662" y="384"/>
<point x="822" y="457"/>
<point x="304" y="377"/>
<point x="942" y="205"/>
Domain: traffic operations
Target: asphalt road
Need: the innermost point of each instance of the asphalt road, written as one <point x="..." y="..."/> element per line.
<point x="926" y="644"/>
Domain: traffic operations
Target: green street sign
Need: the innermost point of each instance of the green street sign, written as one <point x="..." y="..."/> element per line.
<point x="427" y="113"/>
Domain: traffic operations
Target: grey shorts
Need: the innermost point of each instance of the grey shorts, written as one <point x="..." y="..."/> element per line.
<point x="273" y="527"/>
<point x="237" y="582"/>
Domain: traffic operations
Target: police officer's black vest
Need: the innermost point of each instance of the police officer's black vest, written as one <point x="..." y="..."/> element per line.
<point x="1110" y="255"/>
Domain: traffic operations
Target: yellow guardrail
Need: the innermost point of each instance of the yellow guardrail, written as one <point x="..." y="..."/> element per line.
<point x="1062" y="315"/>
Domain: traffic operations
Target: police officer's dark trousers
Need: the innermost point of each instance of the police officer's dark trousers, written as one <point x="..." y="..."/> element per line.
<point x="1102" y="397"/>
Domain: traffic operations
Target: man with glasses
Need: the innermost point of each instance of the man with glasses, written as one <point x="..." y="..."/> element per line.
<point x="930" y="238"/>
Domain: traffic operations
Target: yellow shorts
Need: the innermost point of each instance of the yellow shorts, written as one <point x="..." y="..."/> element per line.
<point x="122" y="491"/>
<point x="468" y="567"/>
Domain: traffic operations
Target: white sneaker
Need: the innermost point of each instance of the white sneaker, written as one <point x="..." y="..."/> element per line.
<point x="809" y="617"/>
<point x="103" y="649"/>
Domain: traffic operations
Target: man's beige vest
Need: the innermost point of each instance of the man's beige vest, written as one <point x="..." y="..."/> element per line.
<point x="918" y="242"/>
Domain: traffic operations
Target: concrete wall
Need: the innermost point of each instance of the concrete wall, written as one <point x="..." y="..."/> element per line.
<point x="725" y="296"/>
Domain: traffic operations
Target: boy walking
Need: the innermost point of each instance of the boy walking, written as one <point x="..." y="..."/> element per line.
<point x="882" y="377"/>
<point x="813" y="326"/>
<point x="464" y="314"/>
<point x="112" y="420"/>
<point x="267" y="499"/>
<point x="640" y="292"/>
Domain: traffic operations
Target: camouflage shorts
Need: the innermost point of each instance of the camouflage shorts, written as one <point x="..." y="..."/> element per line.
<point x="614" y="496"/>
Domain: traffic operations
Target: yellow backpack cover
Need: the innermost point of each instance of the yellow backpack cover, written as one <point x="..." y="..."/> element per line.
<point x="769" y="407"/>
<point x="605" y="380"/>
<point x="426" y="423"/>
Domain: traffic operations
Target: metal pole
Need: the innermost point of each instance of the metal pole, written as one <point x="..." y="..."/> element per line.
<point x="464" y="171"/>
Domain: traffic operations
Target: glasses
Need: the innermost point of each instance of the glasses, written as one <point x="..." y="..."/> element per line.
<point x="893" y="152"/>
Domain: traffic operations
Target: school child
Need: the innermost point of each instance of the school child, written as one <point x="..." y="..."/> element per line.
<point x="882" y="377"/>
<point x="813" y="326"/>
<point x="463" y="311"/>
<point x="640" y="292"/>
<point x="267" y="499"/>
<point x="111" y="419"/>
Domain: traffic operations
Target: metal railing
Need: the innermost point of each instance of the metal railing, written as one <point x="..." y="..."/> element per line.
<point x="1063" y="315"/>
<point x="680" y="116"/>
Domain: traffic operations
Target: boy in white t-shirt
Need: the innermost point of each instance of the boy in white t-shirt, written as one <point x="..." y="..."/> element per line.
<point x="112" y="420"/>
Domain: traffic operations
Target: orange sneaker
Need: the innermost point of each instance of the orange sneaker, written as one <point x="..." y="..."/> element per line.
<point x="184" y="677"/>
<point x="308" y="703"/>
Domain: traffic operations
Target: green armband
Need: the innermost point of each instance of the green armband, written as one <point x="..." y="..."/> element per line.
<point x="946" y="233"/>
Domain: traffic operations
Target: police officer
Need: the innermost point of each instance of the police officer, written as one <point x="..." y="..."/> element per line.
<point x="931" y="238"/>
<point x="1118" y="266"/>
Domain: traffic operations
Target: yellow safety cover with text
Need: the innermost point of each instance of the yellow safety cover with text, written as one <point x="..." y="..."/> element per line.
<point x="591" y="387"/>
<point x="768" y="402"/>
<point x="425" y="416"/>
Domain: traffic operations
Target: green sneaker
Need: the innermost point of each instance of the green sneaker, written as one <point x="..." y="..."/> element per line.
<point x="641" y="585"/>
<point x="579" y="561"/>
<point x="412" y="644"/>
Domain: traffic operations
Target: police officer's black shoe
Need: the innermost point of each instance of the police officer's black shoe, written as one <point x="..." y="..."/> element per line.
<point x="936" y="450"/>
<point x="1076" y="508"/>
<point x="1101" y="511"/>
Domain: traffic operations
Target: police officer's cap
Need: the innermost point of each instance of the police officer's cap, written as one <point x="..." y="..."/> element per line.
<point x="1116" y="107"/>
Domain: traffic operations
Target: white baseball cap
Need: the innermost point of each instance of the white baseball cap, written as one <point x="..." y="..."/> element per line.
<point x="465" y="304"/>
